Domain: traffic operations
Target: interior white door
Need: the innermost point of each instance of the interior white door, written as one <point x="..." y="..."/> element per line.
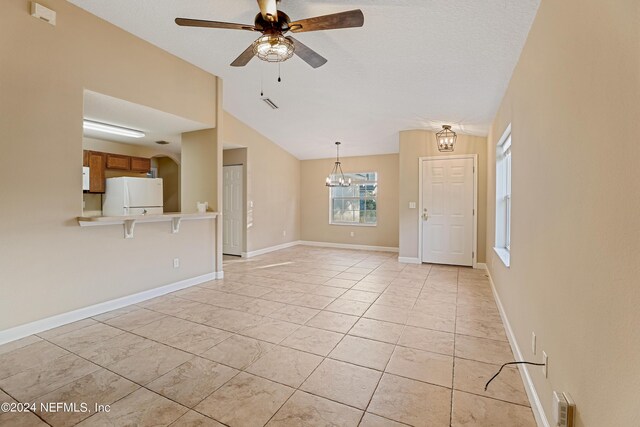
<point x="232" y="210"/>
<point x="447" y="211"/>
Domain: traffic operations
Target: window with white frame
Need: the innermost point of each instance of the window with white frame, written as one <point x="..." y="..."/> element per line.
<point x="503" y="197"/>
<point x="355" y="204"/>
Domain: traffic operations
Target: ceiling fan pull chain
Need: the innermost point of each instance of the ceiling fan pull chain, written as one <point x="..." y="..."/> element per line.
<point x="279" y="79"/>
<point x="261" y="91"/>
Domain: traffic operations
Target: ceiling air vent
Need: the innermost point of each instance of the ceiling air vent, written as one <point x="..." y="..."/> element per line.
<point x="162" y="142"/>
<point x="270" y="103"/>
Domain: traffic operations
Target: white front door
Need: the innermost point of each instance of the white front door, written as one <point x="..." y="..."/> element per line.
<point x="232" y="210"/>
<point x="447" y="211"/>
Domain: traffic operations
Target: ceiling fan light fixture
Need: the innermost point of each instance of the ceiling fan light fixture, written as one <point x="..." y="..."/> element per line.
<point x="446" y="139"/>
<point x="273" y="48"/>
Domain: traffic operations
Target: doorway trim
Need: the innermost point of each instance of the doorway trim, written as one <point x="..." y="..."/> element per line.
<point x="244" y="208"/>
<point x="475" y="201"/>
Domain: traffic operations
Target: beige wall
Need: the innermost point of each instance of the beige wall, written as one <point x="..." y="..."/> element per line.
<point x="238" y="156"/>
<point x="199" y="180"/>
<point x="169" y="171"/>
<point x="315" y="202"/>
<point x="49" y="264"/>
<point x="421" y="143"/>
<point x="574" y="106"/>
<point x="273" y="187"/>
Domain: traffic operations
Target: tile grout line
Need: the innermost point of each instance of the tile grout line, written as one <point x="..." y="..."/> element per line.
<point x="299" y="325"/>
<point x="140" y="386"/>
<point x="453" y="367"/>
<point x="384" y="371"/>
<point x="28" y="411"/>
<point x="308" y="376"/>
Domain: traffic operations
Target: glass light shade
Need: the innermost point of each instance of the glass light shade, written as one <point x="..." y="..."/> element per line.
<point x="273" y="48"/>
<point x="446" y="138"/>
<point x="336" y="177"/>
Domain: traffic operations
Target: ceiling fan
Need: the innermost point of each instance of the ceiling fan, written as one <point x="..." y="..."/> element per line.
<point x="273" y="46"/>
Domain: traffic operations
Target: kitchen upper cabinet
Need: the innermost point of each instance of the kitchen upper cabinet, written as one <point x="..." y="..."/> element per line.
<point x="97" y="163"/>
<point x="140" y="164"/>
<point x="118" y="161"/>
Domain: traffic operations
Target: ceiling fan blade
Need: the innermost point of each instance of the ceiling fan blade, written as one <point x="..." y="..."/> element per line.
<point x="308" y="55"/>
<point x="244" y="57"/>
<point x="268" y="9"/>
<point x="186" y="22"/>
<point x="350" y="19"/>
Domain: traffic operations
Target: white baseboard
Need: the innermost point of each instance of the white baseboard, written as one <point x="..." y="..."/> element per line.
<point x="219" y="275"/>
<point x="27" y="329"/>
<point x="319" y="244"/>
<point x="409" y="260"/>
<point x="532" y="393"/>
<point x="269" y="249"/>
<point x="480" y="266"/>
<point x="348" y="246"/>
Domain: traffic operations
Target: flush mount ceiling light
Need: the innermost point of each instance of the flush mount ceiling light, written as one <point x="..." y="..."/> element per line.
<point x="336" y="177"/>
<point x="111" y="129"/>
<point x="273" y="48"/>
<point x="446" y="138"/>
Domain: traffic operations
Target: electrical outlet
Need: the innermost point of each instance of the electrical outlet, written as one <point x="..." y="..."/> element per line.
<point x="176" y="262"/>
<point x="533" y="343"/>
<point x="352" y="234"/>
<point x="545" y="368"/>
<point x="564" y="409"/>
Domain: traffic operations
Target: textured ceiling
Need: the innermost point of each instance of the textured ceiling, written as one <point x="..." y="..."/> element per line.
<point x="416" y="64"/>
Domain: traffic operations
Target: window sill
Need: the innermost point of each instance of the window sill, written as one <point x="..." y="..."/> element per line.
<point x="504" y="255"/>
<point x="354" y="224"/>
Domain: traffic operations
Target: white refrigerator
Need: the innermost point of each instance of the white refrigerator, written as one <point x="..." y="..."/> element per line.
<point x="132" y="196"/>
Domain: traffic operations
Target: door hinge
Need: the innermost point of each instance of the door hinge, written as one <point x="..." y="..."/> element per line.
<point x="473" y="211"/>
<point x="473" y="254"/>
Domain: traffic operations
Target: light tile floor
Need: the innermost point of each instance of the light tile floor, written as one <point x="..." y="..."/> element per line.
<point x="300" y="337"/>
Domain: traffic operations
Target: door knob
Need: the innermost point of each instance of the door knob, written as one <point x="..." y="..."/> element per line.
<point x="425" y="215"/>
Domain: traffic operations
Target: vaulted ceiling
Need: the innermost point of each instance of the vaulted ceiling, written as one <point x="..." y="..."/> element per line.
<point x="416" y="64"/>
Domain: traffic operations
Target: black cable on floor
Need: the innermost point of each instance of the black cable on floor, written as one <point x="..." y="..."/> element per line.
<point x="510" y="363"/>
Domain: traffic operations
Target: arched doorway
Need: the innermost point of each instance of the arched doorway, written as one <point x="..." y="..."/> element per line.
<point x="169" y="170"/>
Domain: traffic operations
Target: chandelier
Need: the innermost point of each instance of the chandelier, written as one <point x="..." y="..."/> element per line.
<point x="336" y="177"/>
<point x="273" y="48"/>
<point x="446" y="138"/>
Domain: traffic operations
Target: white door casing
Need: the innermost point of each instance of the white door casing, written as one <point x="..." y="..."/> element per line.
<point x="232" y="210"/>
<point x="447" y="211"/>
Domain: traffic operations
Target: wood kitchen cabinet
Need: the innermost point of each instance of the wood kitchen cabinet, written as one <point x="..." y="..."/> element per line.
<point x="118" y="161"/>
<point x="97" y="165"/>
<point x="140" y="164"/>
<point x="99" y="162"/>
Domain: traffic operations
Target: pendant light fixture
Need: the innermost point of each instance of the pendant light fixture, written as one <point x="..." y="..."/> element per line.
<point x="336" y="177"/>
<point x="446" y="138"/>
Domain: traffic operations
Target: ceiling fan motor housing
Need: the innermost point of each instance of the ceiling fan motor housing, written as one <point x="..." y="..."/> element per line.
<point x="280" y="26"/>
